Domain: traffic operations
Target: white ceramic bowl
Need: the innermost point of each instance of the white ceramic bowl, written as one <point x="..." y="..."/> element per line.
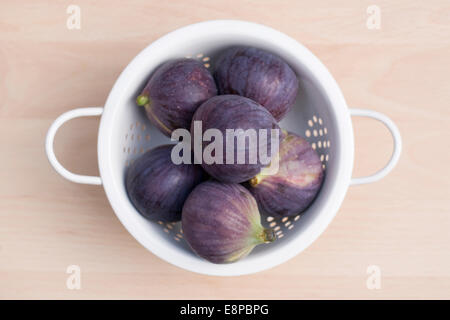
<point x="321" y="114"/>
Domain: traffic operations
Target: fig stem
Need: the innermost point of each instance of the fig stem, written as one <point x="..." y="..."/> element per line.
<point x="142" y="100"/>
<point x="269" y="235"/>
<point x="255" y="180"/>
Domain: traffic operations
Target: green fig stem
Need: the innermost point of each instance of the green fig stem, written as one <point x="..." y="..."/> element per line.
<point x="142" y="100"/>
<point x="269" y="235"/>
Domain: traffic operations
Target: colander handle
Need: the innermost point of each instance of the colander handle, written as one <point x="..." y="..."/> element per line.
<point x="75" y="113"/>
<point x="397" y="145"/>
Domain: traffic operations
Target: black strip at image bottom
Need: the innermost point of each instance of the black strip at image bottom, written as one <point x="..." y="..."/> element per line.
<point x="226" y="309"/>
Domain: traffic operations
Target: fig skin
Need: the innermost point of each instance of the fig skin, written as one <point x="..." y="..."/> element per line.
<point x="173" y="93"/>
<point x="293" y="188"/>
<point x="157" y="187"/>
<point x="234" y="112"/>
<point x="221" y="222"/>
<point x="258" y="75"/>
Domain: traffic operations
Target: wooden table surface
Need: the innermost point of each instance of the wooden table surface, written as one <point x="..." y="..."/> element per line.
<point x="400" y="224"/>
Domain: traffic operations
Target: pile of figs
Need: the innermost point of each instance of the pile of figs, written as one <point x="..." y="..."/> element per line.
<point x="219" y="202"/>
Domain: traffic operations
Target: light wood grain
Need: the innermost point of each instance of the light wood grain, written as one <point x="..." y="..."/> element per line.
<point x="401" y="223"/>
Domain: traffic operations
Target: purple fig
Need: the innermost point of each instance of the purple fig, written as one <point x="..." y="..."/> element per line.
<point x="173" y="93"/>
<point x="230" y="112"/>
<point x="293" y="188"/>
<point x="221" y="222"/>
<point x="157" y="187"/>
<point x="260" y="76"/>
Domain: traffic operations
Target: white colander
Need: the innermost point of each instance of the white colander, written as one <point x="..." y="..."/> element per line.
<point x="320" y="114"/>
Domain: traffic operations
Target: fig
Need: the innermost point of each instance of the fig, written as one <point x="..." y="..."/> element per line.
<point x="221" y="222"/>
<point x="298" y="180"/>
<point x="157" y="187"/>
<point x="173" y="93"/>
<point x="258" y="75"/>
<point x="236" y="117"/>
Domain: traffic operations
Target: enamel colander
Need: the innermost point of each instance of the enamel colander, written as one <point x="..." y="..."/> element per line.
<point x="320" y="115"/>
